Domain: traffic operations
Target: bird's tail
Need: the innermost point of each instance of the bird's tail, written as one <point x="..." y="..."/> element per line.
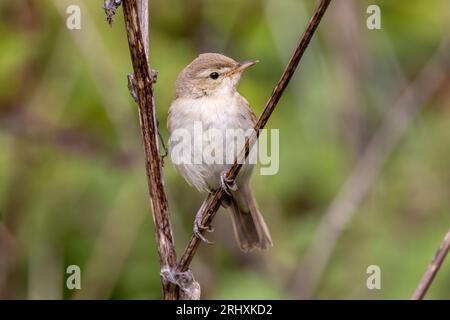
<point x="249" y="226"/>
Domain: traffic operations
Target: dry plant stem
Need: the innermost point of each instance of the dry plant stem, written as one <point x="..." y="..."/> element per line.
<point x="211" y="209"/>
<point x="144" y="91"/>
<point x="142" y="9"/>
<point x="433" y="268"/>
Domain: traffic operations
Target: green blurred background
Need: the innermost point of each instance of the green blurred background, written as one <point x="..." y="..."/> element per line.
<point x="72" y="181"/>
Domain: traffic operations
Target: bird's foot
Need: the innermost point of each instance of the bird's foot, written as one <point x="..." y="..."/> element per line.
<point x="199" y="228"/>
<point x="228" y="185"/>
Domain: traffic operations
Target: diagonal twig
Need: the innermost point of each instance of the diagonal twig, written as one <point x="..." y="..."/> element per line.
<point x="433" y="268"/>
<point x="210" y="210"/>
<point x="136" y="24"/>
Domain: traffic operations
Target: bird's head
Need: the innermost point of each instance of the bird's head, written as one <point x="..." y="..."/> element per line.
<point x="210" y="74"/>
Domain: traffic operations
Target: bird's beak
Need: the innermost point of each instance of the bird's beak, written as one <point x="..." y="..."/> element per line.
<point x="241" y="67"/>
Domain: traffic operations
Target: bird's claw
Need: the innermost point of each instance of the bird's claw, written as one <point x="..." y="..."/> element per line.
<point x="203" y="228"/>
<point x="198" y="225"/>
<point x="198" y="228"/>
<point x="228" y="185"/>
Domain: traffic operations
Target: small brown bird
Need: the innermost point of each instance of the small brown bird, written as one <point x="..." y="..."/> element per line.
<point x="207" y="99"/>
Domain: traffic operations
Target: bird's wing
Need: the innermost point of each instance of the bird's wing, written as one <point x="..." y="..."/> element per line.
<point x="247" y="110"/>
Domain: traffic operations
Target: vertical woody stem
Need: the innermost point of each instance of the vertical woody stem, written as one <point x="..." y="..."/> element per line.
<point x="153" y="165"/>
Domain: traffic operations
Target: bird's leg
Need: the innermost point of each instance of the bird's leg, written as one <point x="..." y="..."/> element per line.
<point x="227" y="185"/>
<point x="198" y="227"/>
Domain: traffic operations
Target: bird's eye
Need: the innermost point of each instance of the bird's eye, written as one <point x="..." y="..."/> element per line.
<point x="214" y="75"/>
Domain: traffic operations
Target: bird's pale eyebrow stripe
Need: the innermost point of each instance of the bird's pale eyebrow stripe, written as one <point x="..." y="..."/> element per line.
<point x="207" y="72"/>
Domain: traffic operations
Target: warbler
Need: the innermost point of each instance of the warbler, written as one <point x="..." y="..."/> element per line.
<point x="206" y="106"/>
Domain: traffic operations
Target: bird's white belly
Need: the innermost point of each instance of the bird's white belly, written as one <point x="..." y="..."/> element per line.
<point x="213" y="125"/>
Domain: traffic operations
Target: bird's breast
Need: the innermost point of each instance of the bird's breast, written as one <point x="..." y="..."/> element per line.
<point x="209" y="129"/>
<point x="220" y="113"/>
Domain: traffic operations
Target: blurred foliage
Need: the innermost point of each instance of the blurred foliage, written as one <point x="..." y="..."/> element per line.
<point x="72" y="181"/>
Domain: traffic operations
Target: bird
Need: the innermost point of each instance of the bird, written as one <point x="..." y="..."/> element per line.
<point x="207" y="100"/>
